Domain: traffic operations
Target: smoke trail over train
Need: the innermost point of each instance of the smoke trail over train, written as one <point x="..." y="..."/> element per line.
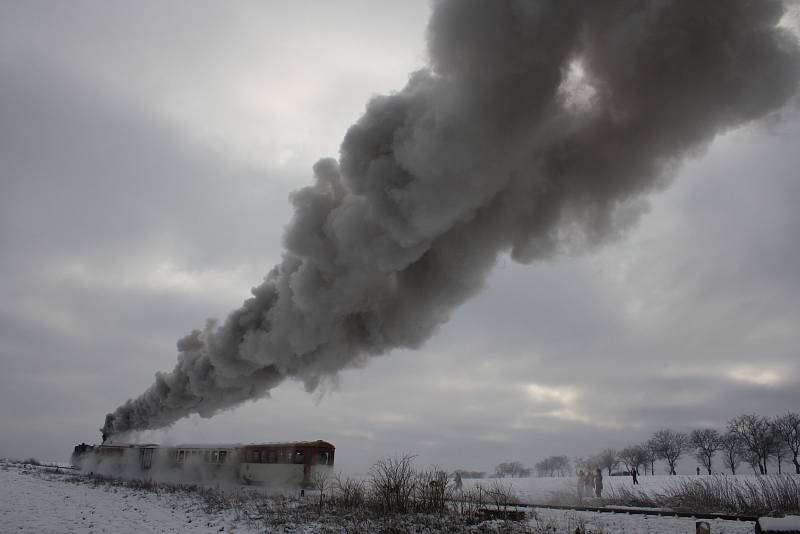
<point x="537" y="127"/>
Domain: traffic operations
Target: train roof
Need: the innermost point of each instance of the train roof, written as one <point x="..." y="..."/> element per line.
<point x="127" y="445"/>
<point x="210" y="446"/>
<point x="317" y="443"/>
<point x="205" y="446"/>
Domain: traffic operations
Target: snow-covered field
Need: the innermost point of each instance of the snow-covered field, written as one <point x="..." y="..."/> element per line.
<point x="568" y="521"/>
<point x="35" y="500"/>
<point x="39" y="500"/>
<point x="547" y="490"/>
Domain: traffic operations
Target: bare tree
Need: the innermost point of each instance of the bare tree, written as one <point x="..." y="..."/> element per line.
<point x="753" y="460"/>
<point x="757" y="437"/>
<point x="787" y="429"/>
<point x="511" y="469"/>
<point x="581" y="463"/>
<point x="706" y="443"/>
<point x="553" y="466"/>
<point x="562" y="465"/>
<point x="321" y="481"/>
<point x="607" y="459"/>
<point x="633" y="457"/>
<point x="649" y="448"/>
<point x="670" y="446"/>
<point x="731" y="447"/>
<point x="780" y="454"/>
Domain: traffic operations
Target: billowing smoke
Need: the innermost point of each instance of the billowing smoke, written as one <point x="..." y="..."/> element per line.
<point x="538" y="127"/>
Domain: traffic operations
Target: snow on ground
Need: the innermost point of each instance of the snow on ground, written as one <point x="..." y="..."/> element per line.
<point x="39" y="500"/>
<point x="36" y="501"/>
<point x="545" y="490"/>
<point x="568" y="521"/>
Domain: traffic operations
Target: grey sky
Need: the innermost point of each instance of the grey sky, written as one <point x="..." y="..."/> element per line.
<point x="147" y="156"/>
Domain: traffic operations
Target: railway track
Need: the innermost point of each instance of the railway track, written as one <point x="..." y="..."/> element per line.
<point x="626" y="510"/>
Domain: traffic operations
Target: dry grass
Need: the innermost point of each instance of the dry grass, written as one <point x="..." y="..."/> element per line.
<point x="762" y="495"/>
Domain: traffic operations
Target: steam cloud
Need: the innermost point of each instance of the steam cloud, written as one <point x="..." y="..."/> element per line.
<point x="538" y="127"/>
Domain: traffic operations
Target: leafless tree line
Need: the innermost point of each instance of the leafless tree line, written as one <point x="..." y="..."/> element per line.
<point x="749" y="438"/>
<point x="511" y="469"/>
<point x="553" y="466"/>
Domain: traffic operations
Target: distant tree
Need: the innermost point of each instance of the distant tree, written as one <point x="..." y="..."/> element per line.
<point x="781" y="454"/>
<point x="633" y="457"/>
<point x="670" y="446"/>
<point x="753" y="460"/>
<point x="580" y="464"/>
<point x="757" y="437"/>
<point x="787" y="430"/>
<point x="706" y="443"/>
<point x="553" y="466"/>
<point x="607" y="459"/>
<point x="649" y="448"/>
<point x="562" y="465"/>
<point x="731" y="447"/>
<point x="642" y="457"/>
<point x="542" y="468"/>
<point x="511" y="469"/>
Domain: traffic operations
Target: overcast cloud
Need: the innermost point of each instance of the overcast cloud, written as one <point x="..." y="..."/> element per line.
<point x="148" y="153"/>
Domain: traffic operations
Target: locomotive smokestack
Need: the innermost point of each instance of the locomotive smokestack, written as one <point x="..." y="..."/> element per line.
<point x="536" y="127"/>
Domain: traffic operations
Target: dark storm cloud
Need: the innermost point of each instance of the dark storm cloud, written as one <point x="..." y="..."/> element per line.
<point x="480" y="154"/>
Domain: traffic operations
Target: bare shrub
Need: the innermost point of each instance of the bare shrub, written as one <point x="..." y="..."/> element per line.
<point x="349" y="492"/>
<point x="501" y="494"/>
<point x="321" y="481"/>
<point x="433" y="489"/>
<point x="392" y="484"/>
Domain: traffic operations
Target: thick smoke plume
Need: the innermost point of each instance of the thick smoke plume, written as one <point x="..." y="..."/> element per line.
<point x="537" y="127"/>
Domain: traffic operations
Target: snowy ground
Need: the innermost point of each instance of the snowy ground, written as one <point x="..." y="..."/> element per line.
<point x="611" y="523"/>
<point x="547" y="490"/>
<point x="36" y="500"/>
<point x="39" y="500"/>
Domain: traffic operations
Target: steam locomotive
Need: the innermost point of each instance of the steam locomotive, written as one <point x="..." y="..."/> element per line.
<point x="279" y="464"/>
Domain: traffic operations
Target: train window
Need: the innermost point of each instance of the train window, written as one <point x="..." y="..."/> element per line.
<point x="222" y="456"/>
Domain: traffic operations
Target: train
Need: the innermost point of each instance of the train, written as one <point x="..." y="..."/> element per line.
<point x="294" y="463"/>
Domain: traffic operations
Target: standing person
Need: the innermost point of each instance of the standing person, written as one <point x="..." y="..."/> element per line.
<point x="634" y="475"/>
<point x="581" y="485"/>
<point x="598" y="483"/>
<point x="698" y="471"/>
